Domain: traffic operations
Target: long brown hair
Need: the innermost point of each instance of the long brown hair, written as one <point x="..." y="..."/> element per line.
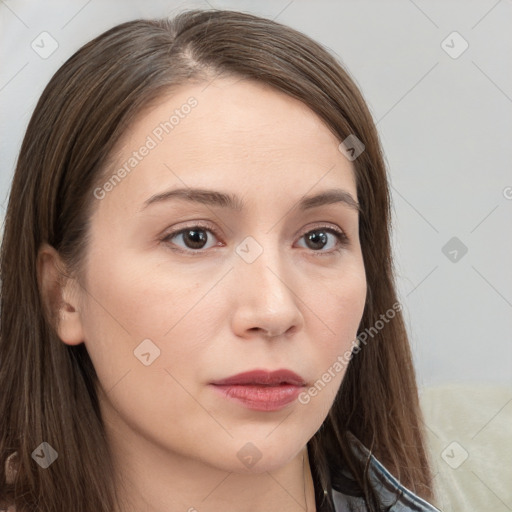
<point x="48" y="388"/>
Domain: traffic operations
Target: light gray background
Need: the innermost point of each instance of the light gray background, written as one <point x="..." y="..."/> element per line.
<point x="445" y="125"/>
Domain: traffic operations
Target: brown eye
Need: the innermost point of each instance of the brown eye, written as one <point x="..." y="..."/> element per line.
<point x="318" y="238"/>
<point x="193" y="238"/>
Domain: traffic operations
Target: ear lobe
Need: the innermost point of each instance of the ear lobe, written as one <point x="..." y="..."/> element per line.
<point x="60" y="295"/>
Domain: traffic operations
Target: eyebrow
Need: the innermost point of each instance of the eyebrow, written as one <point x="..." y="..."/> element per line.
<point x="233" y="202"/>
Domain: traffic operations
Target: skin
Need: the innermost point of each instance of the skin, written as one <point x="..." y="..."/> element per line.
<point x="174" y="439"/>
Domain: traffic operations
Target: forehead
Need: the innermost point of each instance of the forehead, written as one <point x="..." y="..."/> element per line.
<point x="234" y="134"/>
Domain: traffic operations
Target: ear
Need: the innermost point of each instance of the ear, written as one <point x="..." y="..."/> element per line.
<point x="60" y="294"/>
<point x="11" y="468"/>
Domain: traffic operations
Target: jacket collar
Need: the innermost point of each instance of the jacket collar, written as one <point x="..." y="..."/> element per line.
<point x="392" y="493"/>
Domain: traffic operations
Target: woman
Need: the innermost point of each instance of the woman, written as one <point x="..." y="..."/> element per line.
<point x="263" y="365"/>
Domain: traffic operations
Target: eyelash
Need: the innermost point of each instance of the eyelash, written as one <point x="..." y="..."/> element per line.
<point x="343" y="239"/>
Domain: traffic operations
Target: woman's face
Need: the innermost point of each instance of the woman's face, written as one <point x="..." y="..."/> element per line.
<point x="164" y="314"/>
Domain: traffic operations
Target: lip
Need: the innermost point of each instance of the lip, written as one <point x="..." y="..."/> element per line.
<point x="261" y="390"/>
<point x="263" y="378"/>
<point x="261" y="398"/>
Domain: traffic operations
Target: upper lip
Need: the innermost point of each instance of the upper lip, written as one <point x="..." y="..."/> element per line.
<point x="263" y="377"/>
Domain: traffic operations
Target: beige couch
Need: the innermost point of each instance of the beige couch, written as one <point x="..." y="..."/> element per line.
<point x="470" y="438"/>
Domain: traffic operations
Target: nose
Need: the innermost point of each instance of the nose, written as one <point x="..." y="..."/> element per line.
<point x="265" y="302"/>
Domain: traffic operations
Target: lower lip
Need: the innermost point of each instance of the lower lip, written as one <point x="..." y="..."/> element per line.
<point x="261" y="398"/>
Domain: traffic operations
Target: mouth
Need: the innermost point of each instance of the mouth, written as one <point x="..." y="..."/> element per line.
<point x="261" y="390"/>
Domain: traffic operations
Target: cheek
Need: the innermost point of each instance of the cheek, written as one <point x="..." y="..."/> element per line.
<point x="138" y="335"/>
<point x="340" y="304"/>
<point x="136" y="298"/>
<point x="351" y="296"/>
<point x="340" y="310"/>
<point x="139" y="312"/>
